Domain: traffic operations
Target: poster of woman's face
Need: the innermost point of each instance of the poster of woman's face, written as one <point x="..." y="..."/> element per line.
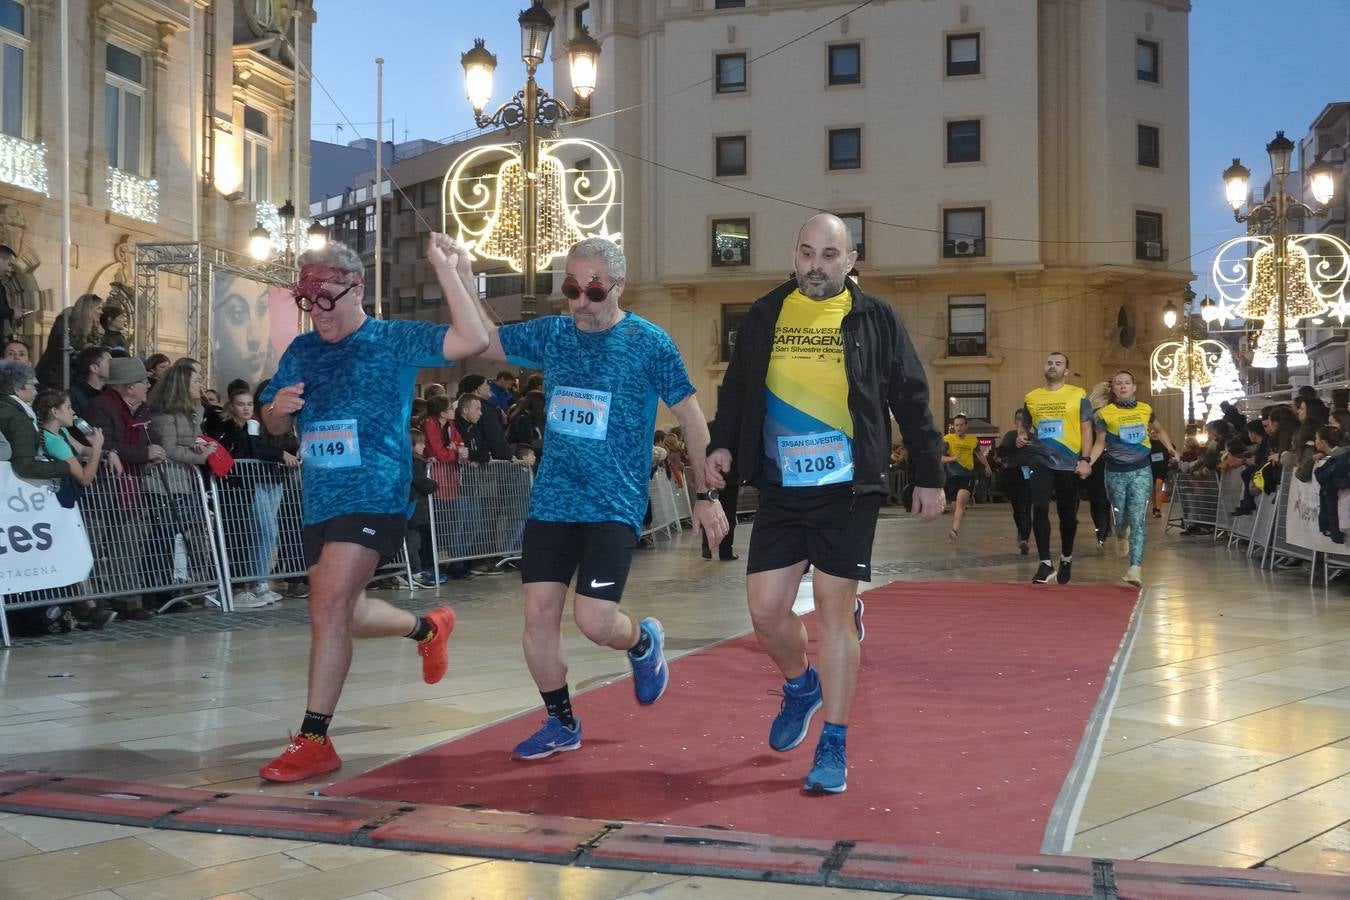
<point x="251" y="325"/>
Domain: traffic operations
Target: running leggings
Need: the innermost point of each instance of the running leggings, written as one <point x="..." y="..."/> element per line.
<point x="1131" y="493"/>
<point x="1064" y="486"/>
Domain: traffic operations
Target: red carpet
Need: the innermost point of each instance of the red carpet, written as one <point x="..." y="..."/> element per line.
<point x="972" y="703"/>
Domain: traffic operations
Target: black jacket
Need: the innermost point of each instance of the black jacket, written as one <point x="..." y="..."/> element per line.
<point x="884" y="376"/>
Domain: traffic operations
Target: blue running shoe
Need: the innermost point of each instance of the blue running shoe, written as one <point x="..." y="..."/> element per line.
<point x="794" y="716"/>
<point x="829" y="770"/>
<point x="650" y="673"/>
<point x="553" y="738"/>
<point x="857" y="618"/>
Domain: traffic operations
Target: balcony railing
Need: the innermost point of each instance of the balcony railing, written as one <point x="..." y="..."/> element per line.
<point x="133" y="196"/>
<point x="23" y="164"/>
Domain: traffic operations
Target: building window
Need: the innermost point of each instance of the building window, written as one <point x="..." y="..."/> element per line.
<point x="13" y="46"/>
<point x="1148" y="236"/>
<point x="969" y="398"/>
<point x="730" y="73"/>
<point x="845" y="148"/>
<point x="124" y="112"/>
<point x="733" y="314"/>
<point x="581" y="19"/>
<point x="845" y="64"/>
<point x="731" y="242"/>
<point x="963" y="141"/>
<point x="729" y="4"/>
<point x="731" y="156"/>
<point x="963" y="232"/>
<point x="856" y="223"/>
<point x="966" y="325"/>
<point x="257" y="155"/>
<point x="1146" y="60"/>
<point x="1150" y="140"/>
<point x="408" y="249"/>
<point x="431" y="294"/>
<point x="431" y="193"/>
<point x="963" y="54"/>
<point x="407" y="299"/>
<point x="405" y="203"/>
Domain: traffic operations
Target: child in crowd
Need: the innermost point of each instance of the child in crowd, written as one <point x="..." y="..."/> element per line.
<point x="419" y="522"/>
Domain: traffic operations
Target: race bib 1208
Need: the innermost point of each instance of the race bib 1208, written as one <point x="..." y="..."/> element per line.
<point x="580" y="413"/>
<point x="815" y="459"/>
<point x="335" y="444"/>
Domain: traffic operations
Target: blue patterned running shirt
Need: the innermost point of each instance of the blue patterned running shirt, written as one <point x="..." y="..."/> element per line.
<point x="355" y="453"/>
<point x="600" y="392"/>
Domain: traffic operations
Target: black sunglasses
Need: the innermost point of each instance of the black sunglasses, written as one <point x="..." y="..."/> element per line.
<point x="595" y="291"/>
<point x="321" y="300"/>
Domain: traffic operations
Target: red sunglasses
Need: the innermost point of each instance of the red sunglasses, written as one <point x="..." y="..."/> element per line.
<point x="595" y="291"/>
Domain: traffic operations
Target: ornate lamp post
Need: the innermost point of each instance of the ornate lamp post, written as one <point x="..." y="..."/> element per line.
<point x="261" y="245"/>
<point x="1274" y="214"/>
<point x="1189" y="363"/>
<point x="531" y="108"/>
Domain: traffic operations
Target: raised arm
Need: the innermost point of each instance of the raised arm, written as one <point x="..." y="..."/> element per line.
<point x="467" y="336"/>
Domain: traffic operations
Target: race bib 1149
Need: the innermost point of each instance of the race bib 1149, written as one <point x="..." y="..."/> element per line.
<point x="335" y="444"/>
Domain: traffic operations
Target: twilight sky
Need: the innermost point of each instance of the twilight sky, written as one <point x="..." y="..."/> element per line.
<point x="1249" y="76"/>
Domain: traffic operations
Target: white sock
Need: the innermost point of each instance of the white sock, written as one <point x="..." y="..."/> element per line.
<point x="1066" y="559"/>
<point x="1047" y="562"/>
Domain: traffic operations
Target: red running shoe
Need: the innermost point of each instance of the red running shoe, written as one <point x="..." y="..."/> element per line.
<point x="434" y="652"/>
<point x="302" y="759"/>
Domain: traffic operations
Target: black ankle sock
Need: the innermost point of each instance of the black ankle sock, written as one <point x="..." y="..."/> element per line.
<point x="315" y="726"/>
<point x="644" y="644"/>
<point x="559" y="706"/>
<point x="422" y="630"/>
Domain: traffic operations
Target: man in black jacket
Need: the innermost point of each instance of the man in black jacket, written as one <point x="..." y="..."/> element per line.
<point x="804" y="412"/>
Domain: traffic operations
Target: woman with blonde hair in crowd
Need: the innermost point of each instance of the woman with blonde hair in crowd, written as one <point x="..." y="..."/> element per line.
<point x="175" y="408"/>
<point x="1125" y="427"/>
<point x="81" y="319"/>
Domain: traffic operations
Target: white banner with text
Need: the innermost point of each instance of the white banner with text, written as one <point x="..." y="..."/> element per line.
<point x="42" y="543"/>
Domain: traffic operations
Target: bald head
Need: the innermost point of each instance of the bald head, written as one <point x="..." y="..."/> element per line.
<point x="824" y="256"/>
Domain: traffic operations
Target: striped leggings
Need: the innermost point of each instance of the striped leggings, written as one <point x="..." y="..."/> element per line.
<point x="1131" y="493"/>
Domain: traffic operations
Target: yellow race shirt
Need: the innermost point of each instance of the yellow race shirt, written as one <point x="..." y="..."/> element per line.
<point x="1127" y="441"/>
<point x="963" y="448"/>
<point x="1056" y="420"/>
<point x="808" y="430"/>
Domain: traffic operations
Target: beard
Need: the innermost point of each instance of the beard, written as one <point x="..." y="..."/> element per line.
<point x="820" y="290"/>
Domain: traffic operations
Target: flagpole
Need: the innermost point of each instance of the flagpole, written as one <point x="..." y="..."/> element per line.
<point x="380" y="311"/>
<point x="65" y="188"/>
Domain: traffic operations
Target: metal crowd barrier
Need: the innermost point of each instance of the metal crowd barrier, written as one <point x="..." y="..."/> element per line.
<point x="1280" y="549"/>
<point x="478" y="510"/>
<point x="149" y="534"/>
<point x="665" y="509"/>
<point x="1263" y="527"/>
<point x="1194" y="500"/>
<point x="1230" y="495"/>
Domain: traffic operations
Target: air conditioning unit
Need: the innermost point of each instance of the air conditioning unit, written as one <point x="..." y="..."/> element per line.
<point x="966" y="347"/>
<point x="963" y="248"/>
<point x="1153" y="250"/>
<point x="731" y="254"/>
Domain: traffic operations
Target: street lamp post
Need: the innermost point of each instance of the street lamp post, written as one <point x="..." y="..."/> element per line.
<point x="260" y="239"/>
<point x="531" y="108"/>
<point x="1274" y="213"/>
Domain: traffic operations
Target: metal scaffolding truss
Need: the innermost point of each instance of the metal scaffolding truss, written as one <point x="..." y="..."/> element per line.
<point x="197" y="264"/>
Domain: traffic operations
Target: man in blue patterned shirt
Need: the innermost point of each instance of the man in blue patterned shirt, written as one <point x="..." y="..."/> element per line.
<point x="348" y="386"/>
<point x="604" y="370"/>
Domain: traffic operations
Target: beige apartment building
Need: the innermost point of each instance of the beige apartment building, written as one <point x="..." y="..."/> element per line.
<point x="1015" y="172"/>
<point x="135" y="172"/>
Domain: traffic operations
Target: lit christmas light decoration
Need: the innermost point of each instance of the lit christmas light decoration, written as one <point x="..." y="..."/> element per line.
<point x="1176" y="364"/>
<point x="1263" y="356"/>
<point x="1226" y="387"/>
<point x="484" y="205"/>
<point x="1300" y="298"/>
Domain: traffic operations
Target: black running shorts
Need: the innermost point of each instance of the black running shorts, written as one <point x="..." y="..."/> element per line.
<point x="955" y="484"/>
<point x="831" y="528"/>
<point x="598" y="553"/>
<point x="380" y="532"/>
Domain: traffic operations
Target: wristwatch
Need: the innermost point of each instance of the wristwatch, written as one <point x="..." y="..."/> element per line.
<point x="707" y="495"/>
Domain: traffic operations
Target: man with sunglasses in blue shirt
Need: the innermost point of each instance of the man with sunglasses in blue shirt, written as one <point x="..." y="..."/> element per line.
<point x="348" y="386"/>
<point x="604" y="370"/>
